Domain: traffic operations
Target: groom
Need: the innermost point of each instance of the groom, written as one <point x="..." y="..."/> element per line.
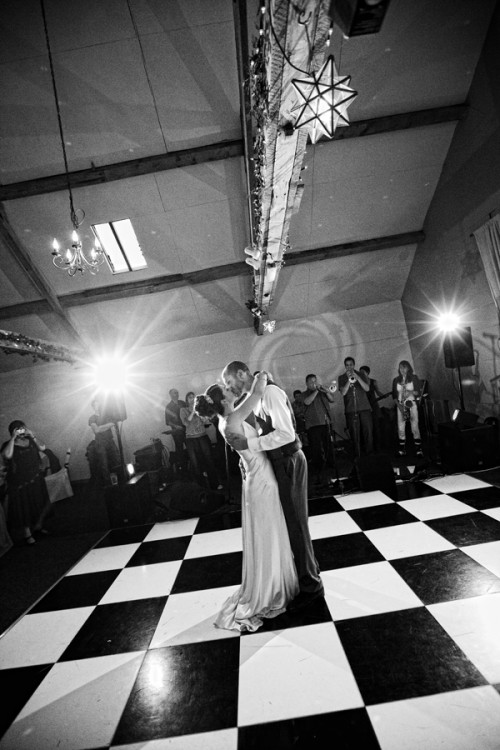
<point x="283" y="448"/>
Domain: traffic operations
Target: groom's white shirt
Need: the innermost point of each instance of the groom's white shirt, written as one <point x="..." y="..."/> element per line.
<point x="274" y="404"/>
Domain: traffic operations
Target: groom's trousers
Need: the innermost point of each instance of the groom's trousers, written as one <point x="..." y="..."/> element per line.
<point x="291" y="474"/>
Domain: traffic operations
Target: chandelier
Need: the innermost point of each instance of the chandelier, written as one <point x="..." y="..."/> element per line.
<point x="74" y="258"/>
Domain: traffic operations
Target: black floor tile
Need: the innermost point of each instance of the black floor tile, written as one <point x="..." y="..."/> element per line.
<point x="126" y="535"/>
<point x="16" y="687"/>
<point x="210" y="572"/>
<point x="412" y="490"/>
<point x="446" y="576"/>
<point x="183" y="690"/>
<point x="162" y="550"/>
<point x="379" y="516"/>
<point x="481" y="498"/>
<point x="314" y="614"/>
<point x="83" y="590"/>
<point x="340" y="730"/>
<point x="468" y="528"/>
<point x="117" y="628"/>
<point x="345" y="550"/>
<point x="321" y="505"/>
<point x="219" y="522"/>
<point x="404" y="654"/>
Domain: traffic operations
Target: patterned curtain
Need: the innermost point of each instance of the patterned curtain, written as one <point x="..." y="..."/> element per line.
<point x="488" y="242"/>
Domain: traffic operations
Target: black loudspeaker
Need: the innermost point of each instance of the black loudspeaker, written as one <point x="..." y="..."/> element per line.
<point x="472" y="449"/>
<point x="357" y="17"/>
<point x="465" y="419"/>
<point x="129" y="504"/>
<point x="150" y="457"/>
<point x="112" y="407"/>
<point x="458" y="350"/>
<point x="191" y="499"/>
<point x="375" y="472"/>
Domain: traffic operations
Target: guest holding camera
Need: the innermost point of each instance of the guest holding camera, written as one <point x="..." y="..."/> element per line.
<point x="406" y="390"/>
<point x="28" y="501"/>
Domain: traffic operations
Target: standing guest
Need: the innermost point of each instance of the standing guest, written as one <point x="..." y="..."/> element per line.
<point x="374" y="395"/>
<point x="300" y="422"/>
<point x="354" y="387"/>
<point x="27" y="496"/>
<point x="174" y="421"/>
<point x="106" y="451"/>
<point x="317" y="417"/>
<point x="198" y="444"/>
<point x="406" y="390"/>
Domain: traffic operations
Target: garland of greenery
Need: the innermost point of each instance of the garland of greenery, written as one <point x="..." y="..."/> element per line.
<point x="17" y="343"/>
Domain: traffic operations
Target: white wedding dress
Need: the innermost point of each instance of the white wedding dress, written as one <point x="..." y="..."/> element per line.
<point x="269" y="580"/>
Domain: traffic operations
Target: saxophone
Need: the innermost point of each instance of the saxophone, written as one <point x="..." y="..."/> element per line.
<point x="407" y="402"/>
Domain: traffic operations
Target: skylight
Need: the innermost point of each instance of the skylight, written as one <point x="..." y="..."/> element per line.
<point x="120" y="246"/>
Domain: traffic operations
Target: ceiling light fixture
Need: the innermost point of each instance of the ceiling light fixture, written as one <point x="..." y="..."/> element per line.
<point x="74" y="258"/>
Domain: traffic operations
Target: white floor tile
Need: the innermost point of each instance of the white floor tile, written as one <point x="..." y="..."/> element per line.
<point x="474" y="625"/>
<point x="366" y="590"/>
<point x="435" y="506"/>
<point x="171" y="529"/>
<point x="223" y="739"/>
<point x="456" y="483"/>
<point x="487" y="554"/>
<point x="460" y="720"/>
<point x="493" y="513"/>
<point x="189" y="618"/>
<point x="105" y="558"/>
<point x="142" y="582"/>
<point x="41" y="638"/>
<point x="78" y="705"/>
<point x="363" y="500"/>
<point x="407" y="540"/>
<point x="294" y="672"/>
<point x="332" y="524"/>
<point x="215" y="543"/>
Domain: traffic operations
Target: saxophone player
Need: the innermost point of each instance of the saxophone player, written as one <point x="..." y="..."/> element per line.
<point x="406" y="391"/>
<point x="354" y="387"/>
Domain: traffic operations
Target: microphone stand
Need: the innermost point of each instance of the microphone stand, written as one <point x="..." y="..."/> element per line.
<point x="333" y="447"/>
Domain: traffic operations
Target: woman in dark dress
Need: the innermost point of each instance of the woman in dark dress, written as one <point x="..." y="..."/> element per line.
<point x="27" y="498"/>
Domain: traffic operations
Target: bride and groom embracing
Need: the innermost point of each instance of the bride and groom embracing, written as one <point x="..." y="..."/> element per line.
<point x="280" y="570"/>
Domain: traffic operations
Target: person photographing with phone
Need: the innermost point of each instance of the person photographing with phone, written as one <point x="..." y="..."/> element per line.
<point x="354" y="387"/>
<point x="28" y="500"/>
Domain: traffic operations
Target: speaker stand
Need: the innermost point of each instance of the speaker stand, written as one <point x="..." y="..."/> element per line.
<point x="120" y="449"/>
<point x="460" y="388"/>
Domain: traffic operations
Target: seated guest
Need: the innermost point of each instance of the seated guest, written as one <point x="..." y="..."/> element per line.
<point x="27" y="498"/>
<point x="406" y="391"/>
<point x="106" y="451"/>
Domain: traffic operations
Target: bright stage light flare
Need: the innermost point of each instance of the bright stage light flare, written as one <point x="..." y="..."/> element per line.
<point x="448" y="322"/>
<point x="110" y="374"/>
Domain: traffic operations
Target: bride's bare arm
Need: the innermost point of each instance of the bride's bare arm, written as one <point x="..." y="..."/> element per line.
<point x="250" y="404"/>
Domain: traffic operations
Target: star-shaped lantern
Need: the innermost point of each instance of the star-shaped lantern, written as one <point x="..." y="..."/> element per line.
<point x="325" y="96"/>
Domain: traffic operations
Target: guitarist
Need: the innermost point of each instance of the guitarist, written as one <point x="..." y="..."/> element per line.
<point x="374" y="396"/>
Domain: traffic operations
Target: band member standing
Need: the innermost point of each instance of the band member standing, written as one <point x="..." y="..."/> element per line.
<point x="406" y="390"/>
<point x="354" y="387"/>
<point x="173" y="420"/>
<point x="374" y="395"/>
<point x="317" y="416"/>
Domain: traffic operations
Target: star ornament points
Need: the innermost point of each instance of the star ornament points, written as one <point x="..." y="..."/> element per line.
<point x="324" y="99"/>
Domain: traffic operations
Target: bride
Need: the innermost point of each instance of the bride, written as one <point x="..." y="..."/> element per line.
<point x="269" y="580"/>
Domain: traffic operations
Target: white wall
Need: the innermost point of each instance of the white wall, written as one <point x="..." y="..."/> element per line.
<point x="54" y="398"/>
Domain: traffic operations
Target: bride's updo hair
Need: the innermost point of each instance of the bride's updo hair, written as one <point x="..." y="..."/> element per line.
<point x="209" y="403"/>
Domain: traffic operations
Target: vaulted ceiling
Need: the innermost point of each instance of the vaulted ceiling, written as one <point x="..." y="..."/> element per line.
<point x="156" y="125"/>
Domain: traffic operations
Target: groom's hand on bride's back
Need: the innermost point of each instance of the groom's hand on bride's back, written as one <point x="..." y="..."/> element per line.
<point x="238" y="442"/>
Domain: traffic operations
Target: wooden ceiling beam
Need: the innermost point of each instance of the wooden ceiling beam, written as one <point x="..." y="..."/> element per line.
<point x="217" y="151"/>
<point x="205" y="275"/>
<point x="51" y="303"/>
<point x="123" y="170"/>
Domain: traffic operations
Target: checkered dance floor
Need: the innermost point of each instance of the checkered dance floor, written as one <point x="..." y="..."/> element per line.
<point x="403" y="652"/>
